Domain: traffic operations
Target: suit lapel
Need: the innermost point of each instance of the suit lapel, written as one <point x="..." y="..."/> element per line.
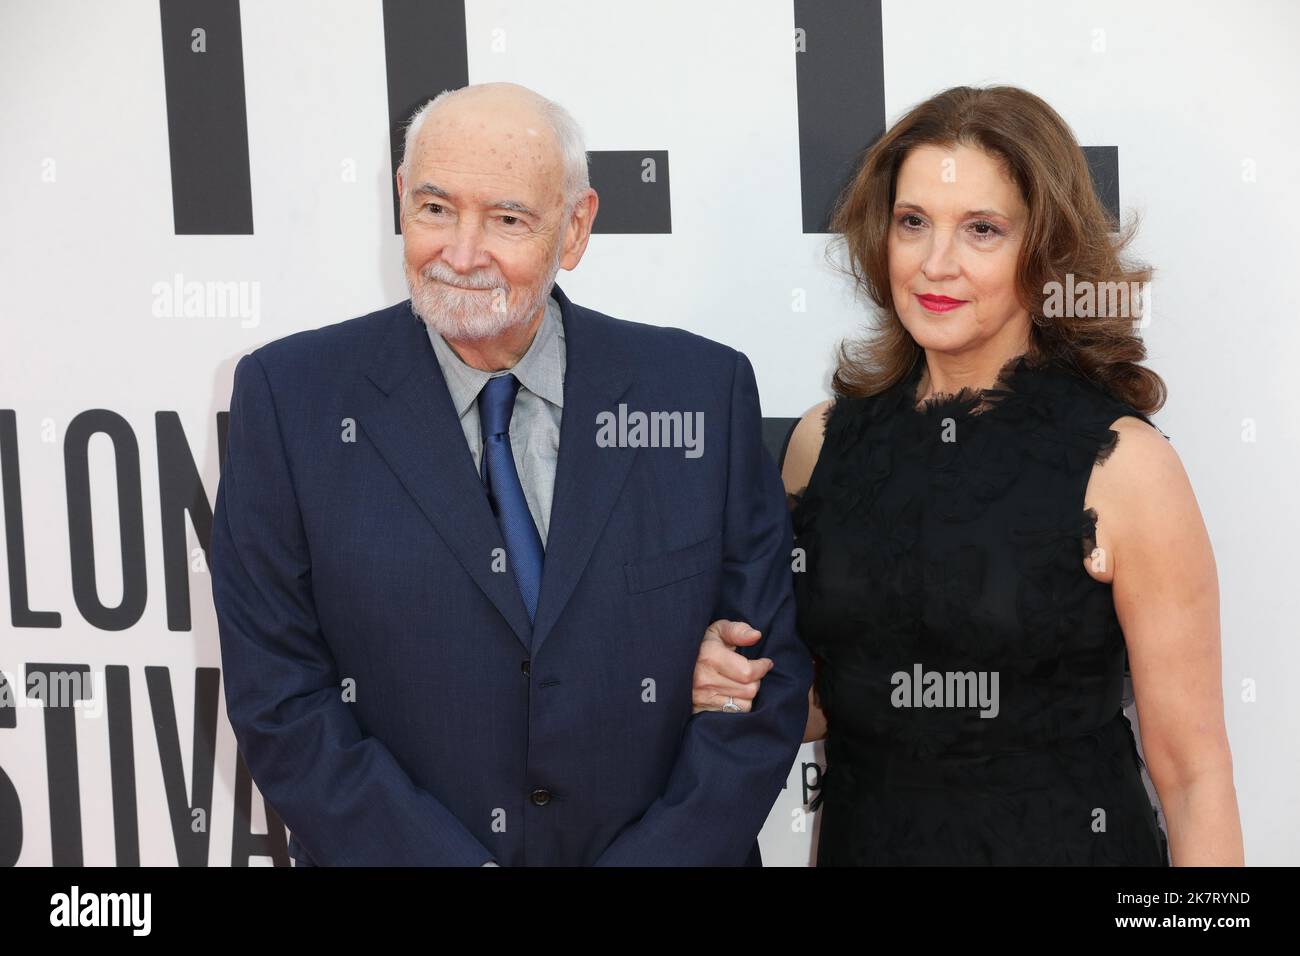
<point x="406" y="410"/>
<point x="588" y="478"/>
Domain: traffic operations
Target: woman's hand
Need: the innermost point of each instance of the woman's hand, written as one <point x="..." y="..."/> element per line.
<point x="722" y="672"/>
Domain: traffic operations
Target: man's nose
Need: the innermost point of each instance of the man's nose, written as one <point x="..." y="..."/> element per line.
<point x="465" y="252"/>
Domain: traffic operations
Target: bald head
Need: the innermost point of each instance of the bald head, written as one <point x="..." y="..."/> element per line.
<point x="505" y="119"/>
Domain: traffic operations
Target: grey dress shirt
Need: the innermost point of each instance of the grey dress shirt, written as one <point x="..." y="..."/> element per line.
<point x="535" y="422"/>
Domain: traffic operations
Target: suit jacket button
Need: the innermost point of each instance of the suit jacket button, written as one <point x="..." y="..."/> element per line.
<point x="524" y="667"/>
<point x="541" y="796"/>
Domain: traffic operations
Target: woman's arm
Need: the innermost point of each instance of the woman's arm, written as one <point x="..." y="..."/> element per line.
<point x="800" y="457"/>
<point x="1155" y="551"/>
<point x="816" y="726"/>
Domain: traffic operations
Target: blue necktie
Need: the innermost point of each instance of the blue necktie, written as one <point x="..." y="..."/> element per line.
<point x="523" y="543"/>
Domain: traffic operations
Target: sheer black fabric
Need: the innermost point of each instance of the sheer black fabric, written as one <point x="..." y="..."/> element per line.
<point x="947" y="542"/>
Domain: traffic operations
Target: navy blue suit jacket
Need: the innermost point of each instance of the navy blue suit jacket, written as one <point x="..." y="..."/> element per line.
<point x="387" y="691"/>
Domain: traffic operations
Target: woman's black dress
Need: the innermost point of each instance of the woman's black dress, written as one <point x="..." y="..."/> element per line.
<point x="945" y="548"/>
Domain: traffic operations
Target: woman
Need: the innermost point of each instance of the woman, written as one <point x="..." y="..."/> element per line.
<point x="993" y="529"/>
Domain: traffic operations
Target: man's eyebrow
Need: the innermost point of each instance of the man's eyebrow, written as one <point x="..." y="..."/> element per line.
<point x="508" y="205"/>
<point x="513" y="205"/>
<point x="970" y="212"/>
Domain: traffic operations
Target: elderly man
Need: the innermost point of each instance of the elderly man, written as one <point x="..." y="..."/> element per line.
<point x="458" y="615"/>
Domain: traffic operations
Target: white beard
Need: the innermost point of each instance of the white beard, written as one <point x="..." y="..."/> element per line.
<point x="474" y="306"/>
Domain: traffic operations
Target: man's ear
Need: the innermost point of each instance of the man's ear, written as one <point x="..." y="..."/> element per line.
<point x="578" y="229"/>
<point x="401" y="202"/>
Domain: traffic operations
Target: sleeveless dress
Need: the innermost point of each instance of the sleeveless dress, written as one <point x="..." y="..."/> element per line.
<point x="970" y="667"/>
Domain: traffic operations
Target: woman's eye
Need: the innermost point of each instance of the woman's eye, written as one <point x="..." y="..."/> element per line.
<point x="985" y="229"/>
<point x="910" y="221"/>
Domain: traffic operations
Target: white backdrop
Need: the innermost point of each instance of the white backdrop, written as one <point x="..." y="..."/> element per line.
<point x="1199" y="98"/>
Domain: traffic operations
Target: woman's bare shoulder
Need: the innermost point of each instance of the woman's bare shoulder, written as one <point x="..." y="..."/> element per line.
<point x="1142" y="457"/>
<point x="804" y="447"/>
<point x="1144" y="496"/>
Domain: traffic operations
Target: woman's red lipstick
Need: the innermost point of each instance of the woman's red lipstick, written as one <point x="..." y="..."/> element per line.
<point x="939" y="303"/>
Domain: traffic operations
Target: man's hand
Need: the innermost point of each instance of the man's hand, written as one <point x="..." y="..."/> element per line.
<point x="722" y="672"/>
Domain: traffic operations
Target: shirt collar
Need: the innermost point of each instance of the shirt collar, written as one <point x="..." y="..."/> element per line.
<point x="541" y="370"/>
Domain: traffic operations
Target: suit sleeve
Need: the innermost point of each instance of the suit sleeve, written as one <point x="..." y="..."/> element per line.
<point x="730" y="768"/>
<point x="341" y="792"/>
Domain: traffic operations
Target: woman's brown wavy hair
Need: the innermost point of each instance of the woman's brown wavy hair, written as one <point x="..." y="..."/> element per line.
<point x="1068" y="231"/>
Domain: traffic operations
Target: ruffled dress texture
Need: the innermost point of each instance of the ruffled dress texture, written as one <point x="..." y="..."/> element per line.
<point x="949" y="538"/>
